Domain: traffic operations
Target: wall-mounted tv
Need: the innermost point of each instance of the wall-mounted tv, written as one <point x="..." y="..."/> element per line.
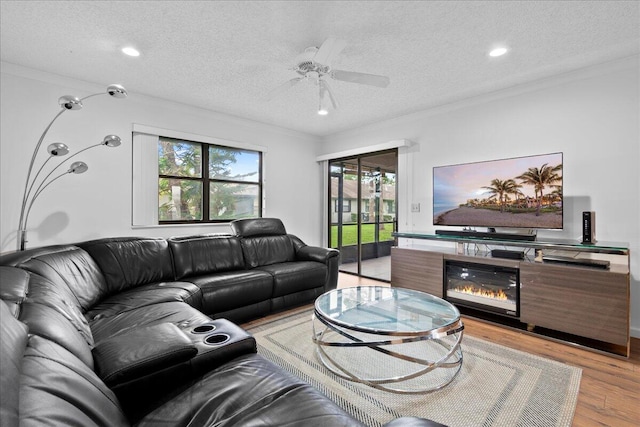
<point x="521" y="192"/>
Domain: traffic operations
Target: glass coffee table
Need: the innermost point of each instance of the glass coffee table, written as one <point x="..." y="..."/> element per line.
<point x="393" y="339"/>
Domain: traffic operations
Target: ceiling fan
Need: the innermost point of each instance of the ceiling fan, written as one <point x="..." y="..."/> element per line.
<point x="314" y="66"/>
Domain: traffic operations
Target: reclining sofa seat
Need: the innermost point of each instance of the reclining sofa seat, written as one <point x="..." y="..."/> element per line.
<point x="51" y="373"/>
<point x="52" y="334"/>
<point x="260" y="270"/>
<point x="43" y="383"/>
<point x="300" y="272"/>
<point x="215" y="264"/>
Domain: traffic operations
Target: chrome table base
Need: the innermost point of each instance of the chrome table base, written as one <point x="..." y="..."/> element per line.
<point x="442" y="352"/>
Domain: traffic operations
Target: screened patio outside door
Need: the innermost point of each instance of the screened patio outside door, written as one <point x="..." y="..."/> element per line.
<point x="362" y="212"/>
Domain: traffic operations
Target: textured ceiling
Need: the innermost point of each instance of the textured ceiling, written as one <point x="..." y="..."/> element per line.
<point x="226" y="56"/>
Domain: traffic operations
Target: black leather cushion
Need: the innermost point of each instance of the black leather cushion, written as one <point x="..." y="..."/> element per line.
<point x="49" y="323"/>
<point x="250" y="391"/>
<point x="67" y="267"/>
<point x="141" y="352"/>
<point x="198" y="255"/>
<point x="56" y="388"/>
<point x="131" y="261"/>
<point x="13" y="336"/>
<point x="253" y="227"/>
<point x="291" y="277"/>
<point x="233" y="289"/>
<point x="15" y="283"/>
<point x="267" y="250"/>
<point x="61" y="299"/>
<point x="297" y="299"/>
<point x="147" y="295"/>
<point x="178" y="313"/>
<point x="248" y="312"/>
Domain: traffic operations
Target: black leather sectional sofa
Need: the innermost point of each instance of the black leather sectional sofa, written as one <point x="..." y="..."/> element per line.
<point x="139" y="331"/>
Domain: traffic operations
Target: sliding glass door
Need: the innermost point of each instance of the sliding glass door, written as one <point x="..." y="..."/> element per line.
<point x="362" y="212"/>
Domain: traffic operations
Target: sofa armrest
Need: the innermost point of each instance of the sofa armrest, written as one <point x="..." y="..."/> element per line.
<point x="305" y="252"/>
<point x="315" y="253"/>
<point x="135" y="354"/>
<point x="329" y="257"/>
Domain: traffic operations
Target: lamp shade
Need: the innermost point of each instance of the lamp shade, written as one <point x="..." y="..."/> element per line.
<point x="58" y="149"/>
<point x="117" y="91"/>
<point x="69" y="102"/>
<point x="78" y="167"/>
<point x="112" y="141"/>
<point x="34" y="186"/>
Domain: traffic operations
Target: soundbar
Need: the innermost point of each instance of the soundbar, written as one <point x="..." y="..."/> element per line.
<point x="503" y="253"/>
<point x="582" y="262"/>
<point x="487" y="235"/>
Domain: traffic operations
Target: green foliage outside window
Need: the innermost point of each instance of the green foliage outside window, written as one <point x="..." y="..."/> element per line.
<point x="230" y="183"/>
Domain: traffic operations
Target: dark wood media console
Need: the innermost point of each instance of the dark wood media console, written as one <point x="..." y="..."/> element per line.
<point x="574" y="303"/>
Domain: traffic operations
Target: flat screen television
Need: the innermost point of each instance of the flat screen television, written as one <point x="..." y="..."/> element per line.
<point x="521" y="192"/>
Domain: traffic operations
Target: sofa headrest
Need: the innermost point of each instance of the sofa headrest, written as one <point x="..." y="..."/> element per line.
<point x="254" y="227"/>
<point x="16" y="259"/>
<point x="199" y="237"/>
<point x="205" y="254"/>
<point x="13" y="335"/>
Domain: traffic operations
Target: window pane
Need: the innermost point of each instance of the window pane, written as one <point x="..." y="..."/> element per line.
<point x="234" y="165"/>
<point x="179" y="200"/>
<point x="179" y="158"/>
<point x="233" y="201"/>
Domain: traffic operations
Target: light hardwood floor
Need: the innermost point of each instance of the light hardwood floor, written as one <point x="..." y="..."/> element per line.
<point x="609" y="388"/>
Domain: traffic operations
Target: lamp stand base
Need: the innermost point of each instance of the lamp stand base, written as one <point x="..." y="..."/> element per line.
<point x="22" y="240"/>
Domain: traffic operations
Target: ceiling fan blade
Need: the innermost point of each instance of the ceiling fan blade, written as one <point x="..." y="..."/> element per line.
<point x="362" y="78"/>
<point x="329" y="50"/>
<point x="325" y="90"/>
<point x="282" y="88"/>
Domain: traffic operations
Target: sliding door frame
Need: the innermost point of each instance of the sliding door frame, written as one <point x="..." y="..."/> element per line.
<point x="357" y="159"/>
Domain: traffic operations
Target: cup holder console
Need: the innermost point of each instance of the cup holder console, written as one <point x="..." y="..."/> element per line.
<point x="217" y="342"/>
<point x="203" y="329"/>
<point x="212" y="339"/>
<point x="217" y="339"/>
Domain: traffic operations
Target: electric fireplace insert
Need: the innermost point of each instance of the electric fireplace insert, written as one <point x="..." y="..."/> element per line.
<point x="483" y="287"/>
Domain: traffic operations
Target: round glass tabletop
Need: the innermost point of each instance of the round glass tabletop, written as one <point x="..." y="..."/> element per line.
<point x="386" y="311"/>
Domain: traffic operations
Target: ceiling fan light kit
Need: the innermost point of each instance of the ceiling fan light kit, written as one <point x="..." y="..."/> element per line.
<point x="314" y="66"/>
<point x="498" y="51"/>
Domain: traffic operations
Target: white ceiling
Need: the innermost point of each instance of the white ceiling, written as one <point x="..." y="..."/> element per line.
<point x="226" y="56"/>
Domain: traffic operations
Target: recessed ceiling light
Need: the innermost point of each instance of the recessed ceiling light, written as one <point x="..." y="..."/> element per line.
<point x="323" y="112"/>
<point x="498" y="51"/>
<point x="130" y="51"/>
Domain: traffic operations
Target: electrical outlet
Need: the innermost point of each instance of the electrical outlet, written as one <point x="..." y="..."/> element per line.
<point x="415" y="207"/>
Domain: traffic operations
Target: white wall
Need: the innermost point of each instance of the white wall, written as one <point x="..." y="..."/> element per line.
<point x="98" y="203"/>
<point x="592" y="116"/>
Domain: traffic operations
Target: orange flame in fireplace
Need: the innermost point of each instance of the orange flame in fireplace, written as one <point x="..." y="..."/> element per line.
<point x="471" y="290"/>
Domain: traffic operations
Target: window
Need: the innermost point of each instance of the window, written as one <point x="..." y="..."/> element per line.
<point x="391" y="206"/>
<point x="346" y="205"/>
<point x="201" y="182"/>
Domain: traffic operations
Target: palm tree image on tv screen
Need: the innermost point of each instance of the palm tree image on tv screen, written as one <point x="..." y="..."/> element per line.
<point x="522" y="192"/>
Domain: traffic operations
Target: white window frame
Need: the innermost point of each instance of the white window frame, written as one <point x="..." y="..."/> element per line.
<point x="144" y="185"/>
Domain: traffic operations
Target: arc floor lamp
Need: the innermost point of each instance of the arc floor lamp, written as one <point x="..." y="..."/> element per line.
<point x="33" y="186"/>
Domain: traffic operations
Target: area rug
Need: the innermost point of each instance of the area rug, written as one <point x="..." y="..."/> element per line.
<point x="497" y="386"/>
